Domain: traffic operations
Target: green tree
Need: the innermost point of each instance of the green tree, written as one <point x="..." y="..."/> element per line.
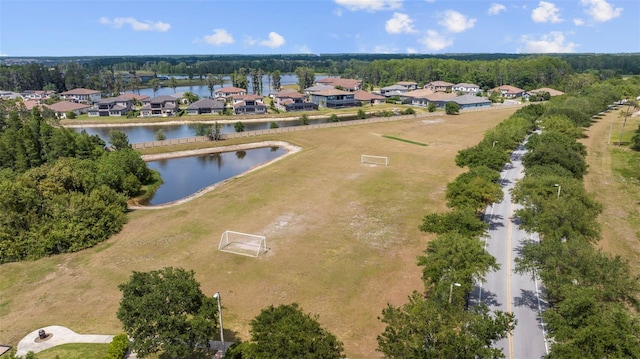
<point x="71" y="115"/>
<point x="276" y="78"/>
<point x="155" y="85"/>
<point x="461" y="220"/>
<point x="361" y="114"/>
<point x="191" y="97"/>
<point x="286" y="331"/>
<point x="423" y="329"/>
<point x="431" y="107"/>
<point x="635" y="140"/>
<point x="475" y="189"/>
<point x="119" y="140"/>
<point x="273" y="125"/>
<point x="165" y="312"/>
<point x="173" y="83"/>
<point x="334" y="118"/>
<point x="451" y="108"/>
<point x="304" y="120"/>
<point x="239" y="126"/>
<point x="160" y="135"/>
<point x="306" y="77"/>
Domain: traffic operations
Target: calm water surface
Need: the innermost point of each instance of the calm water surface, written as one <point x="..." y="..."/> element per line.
<point x="187" y="175"/>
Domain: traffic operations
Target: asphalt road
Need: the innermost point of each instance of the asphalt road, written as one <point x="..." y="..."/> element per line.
<point x="504" y="289"/>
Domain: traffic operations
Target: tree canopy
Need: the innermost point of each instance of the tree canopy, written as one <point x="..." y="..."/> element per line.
<point x="165" y="312"/>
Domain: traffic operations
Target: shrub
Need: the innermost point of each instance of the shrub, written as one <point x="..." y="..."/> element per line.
<point x="334" y="118"/>
<point x="304" y="119"/>
<point x="361" y="114"/>
<point x="160" y="136"/>
<point x="273" y="125"/>
<point x="70" y="115"/>
<point x="452" y="108"/>
<point x="408" y="111"/>
<point x="431" y="107"/>
<point x="239" y="126"/>
<point x="118" y="347"/>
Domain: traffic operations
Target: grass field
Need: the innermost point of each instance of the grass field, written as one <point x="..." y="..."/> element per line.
<point x="613" y="179"/>
<point x="343" y="237"/>
<point x="75" y="351"/>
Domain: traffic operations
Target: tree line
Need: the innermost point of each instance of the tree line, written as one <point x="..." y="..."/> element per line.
<point x="60" y="191"/>
<point x="486" y="70"/>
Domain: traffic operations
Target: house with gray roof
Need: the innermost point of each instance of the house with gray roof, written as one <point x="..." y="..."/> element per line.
<point x="62" y="107"/>
<point x="81" y="95"/>
<point x="206" y="106"/>
<point x="317" y="88"/>
<point x="334" y="99"/>
<point x="466" y="88"/>
<point x="115" y="106"/>
<point x="292" y="100"/>
<point x="471" y="101"/>
<point x="393" y="90"/>
<point x="159" y="106"/>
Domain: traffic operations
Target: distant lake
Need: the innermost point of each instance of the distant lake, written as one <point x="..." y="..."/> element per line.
<point x="185" y="176"/>
<point x="203" y="90"/>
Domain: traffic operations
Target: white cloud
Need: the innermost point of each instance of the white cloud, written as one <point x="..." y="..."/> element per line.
<point x="411" y="50"/>
<point x="250" y="40"/>
<point x="399" y="23"/>
<point x="370" y="5"/>
<point x="578" y="22"/>
<point x="275" y="40"/>
<point x="219" y="37"/>
<point x="338" y="12"/>
<point x="546" y="12"/>
<point x="601" y="10"/>
<point x="455" y="21"/>
<point x="2" y="54"/>
<point x="496" y="8"/>
<point x="136" y="25"/>
<point x="553" y="42"/>
<point x="435" y="41"/>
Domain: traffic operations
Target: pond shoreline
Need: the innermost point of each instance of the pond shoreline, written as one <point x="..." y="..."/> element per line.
<point x="290" y="150"/>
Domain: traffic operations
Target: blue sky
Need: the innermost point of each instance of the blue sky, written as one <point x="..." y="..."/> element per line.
<point x="167" y="27"/>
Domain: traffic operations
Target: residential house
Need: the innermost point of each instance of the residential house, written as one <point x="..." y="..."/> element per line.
<point x="135" y="97"/>
<point x="36" y="94"/>
<point x="349" y="85"/>
<point x="81" y="95"/>
<point x="508" y="91"/>
<point x="439" y="86"/>
<point x="317" y="88"/>
<point x="471" y="101"/>
<point x="466" y="88"/>
<point x="292" y="100"/>
<point x="393" y="90"/>
<point x="62" y="107"/>
<point x="334" y="99"/>
<point x="440" y="99"/>
<point x="206" y="106"/>
<point x="410" y="85"/>
<point x="159" y="106"/>
<point x="9" y="95"/>
<point x="115" y="106"/>
<point x="248" y="104"/>
<point x="368" y="97"/>
<point x="225" y="92"/>
<point x="552" y="92"/>
<point x="417" y="97"/>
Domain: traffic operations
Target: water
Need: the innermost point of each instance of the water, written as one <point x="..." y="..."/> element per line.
<point x="185" y="176"/>
<point x="203" y="90"/>
<point x="147" y="133"/>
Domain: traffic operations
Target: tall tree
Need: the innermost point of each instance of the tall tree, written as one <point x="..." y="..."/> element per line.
<point x="173" y="83"/>
<point x="276" y="78"/>
<point x="287" y="332"/>
<point x="165" y="312"/>
<point x="306" y="77"/>
<point x="155" y="85"/>
<point x="211" y="83"/>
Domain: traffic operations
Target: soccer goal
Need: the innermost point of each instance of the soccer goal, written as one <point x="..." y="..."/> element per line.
<point x="374" y="160"/>
<point x="245" y="244"/>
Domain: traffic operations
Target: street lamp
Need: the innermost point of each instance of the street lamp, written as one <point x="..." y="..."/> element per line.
<point x="217" y="296"/>
<point x="451" y="290"/>
<point x="559" y="188"/>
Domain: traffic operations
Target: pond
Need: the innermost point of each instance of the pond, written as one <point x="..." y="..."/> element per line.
<point x="147" y="133"/>
<point x="184" y="176"/>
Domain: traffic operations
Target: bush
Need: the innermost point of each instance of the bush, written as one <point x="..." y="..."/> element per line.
<point x="334" y="118"/>
<point x="431" y="107"/>
<point x="273" y="125"/>
<point x="118" y="347"/>
<point x="408" y="111"/>
<point x="304" y="119"/>
<point x="239" y="126"/>
<point x="70" y="115"/>
<point x="361" y="114"/>
<point x="452" y="108"/>
<point x="160" y="136"/>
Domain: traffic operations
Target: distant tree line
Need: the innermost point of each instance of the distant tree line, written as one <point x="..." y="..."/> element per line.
<point x="60" y="191"/>
<point x="486" y="70"/>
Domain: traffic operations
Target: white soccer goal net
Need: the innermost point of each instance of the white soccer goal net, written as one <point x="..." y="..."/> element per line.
<point x="245" y="244"/>
<point x="374" y="160"/>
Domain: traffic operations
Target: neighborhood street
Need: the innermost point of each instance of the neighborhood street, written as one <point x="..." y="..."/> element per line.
<point x="504" y="289"/>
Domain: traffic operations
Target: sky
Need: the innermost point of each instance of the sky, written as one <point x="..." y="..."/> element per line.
<point x="209" y="27"/>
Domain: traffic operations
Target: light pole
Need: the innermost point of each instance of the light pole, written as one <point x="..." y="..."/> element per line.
<point x="217" y="296"/>
<point x="451" y="290"/>
<point x="559" y="188"/>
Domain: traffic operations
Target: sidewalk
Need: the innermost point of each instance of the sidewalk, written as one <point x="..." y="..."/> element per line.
<point x="60" y="335"/>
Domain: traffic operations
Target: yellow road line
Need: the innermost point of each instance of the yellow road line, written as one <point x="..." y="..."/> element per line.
<point x="509" y="335"/>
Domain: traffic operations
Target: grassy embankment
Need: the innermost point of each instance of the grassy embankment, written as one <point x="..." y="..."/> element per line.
<point x="343" y="237"/>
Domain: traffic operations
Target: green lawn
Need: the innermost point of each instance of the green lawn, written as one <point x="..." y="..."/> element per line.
<point x="75" y="351"/>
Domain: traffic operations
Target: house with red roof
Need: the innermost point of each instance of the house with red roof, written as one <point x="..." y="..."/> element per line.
<point x="439" y="86"/>
<point x="368" y="97"/>
<point x="349" y="85"/>
<point x="62" y="107"/>
<point x="508" y="91"/>
<point x="225" y="92"/>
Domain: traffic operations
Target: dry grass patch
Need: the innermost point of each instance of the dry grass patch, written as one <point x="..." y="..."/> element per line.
<point x="343" y="236"/>
<point x="620" y="219"/>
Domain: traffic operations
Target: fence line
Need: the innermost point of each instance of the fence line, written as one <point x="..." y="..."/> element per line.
<point x="226" y="136"/>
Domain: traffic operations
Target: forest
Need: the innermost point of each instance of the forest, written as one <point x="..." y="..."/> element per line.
<point x="487" y="70"/>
